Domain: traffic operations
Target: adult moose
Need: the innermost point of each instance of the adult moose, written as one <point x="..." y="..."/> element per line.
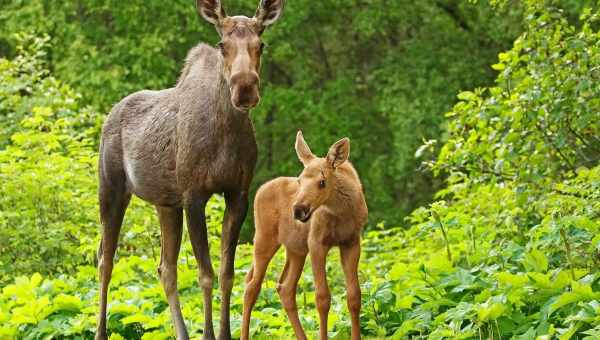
<point x="176" y="147"/>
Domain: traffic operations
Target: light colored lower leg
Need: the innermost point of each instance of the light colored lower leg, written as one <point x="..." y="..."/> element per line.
<point x="168" y="278"/>
<point x="318" y="255"/>
<point x="262" y="257"/>
<point x="288" y="284"/>
<point x="350" y="256"/>
<point x="206" y="283"/>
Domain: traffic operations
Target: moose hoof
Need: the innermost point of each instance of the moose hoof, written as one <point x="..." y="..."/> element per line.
<point x="208" y="336"/>
<point x="101" y="336"/>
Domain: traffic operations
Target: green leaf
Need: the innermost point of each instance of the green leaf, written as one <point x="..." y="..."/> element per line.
<point x="405" y="302"/>
<point x="67" y="302"/>
<point x="467" y="96"/>
<point x="536" y="261"/>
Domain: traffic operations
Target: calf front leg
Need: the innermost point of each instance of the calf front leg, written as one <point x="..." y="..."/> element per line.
<point x="264" y="249"/>
<point x="199" y="239"/>
<point x="235" y="213"/>
<point x="318" y="257"/>
<point x="288" y="284"/>
<point x="350" y="255"/>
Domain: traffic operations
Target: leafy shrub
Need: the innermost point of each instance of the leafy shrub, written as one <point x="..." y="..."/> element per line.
<point x="48" y="203"/>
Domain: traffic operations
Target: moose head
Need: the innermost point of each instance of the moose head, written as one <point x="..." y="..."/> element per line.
<point x="241" y="47"/>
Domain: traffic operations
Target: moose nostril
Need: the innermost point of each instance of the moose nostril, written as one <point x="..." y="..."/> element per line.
<point x="301" y="212"/>
<point x="247" y="97"/>
<point x="298" y="213"/>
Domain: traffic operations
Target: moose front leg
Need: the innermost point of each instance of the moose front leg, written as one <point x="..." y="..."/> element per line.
<point x="171" y="228"/>
<point x="199" y="239"/>
<point x="235" y="213"/>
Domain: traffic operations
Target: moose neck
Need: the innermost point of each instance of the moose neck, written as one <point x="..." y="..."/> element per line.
<point x="203" y="90"/>
<point x="226" y="112"/>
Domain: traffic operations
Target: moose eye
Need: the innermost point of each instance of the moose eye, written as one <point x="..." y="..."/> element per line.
<point x="322" y="184"/>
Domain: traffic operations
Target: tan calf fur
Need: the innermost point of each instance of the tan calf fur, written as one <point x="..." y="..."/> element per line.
<point x="322" y="208"/>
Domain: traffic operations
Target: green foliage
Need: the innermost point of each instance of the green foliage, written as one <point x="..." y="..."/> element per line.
<point x="46" y="207"/>
<point x="37" y="307"/>
<point x="541" y="122"/>
<point x="516" y="229"/>
<point x="48" y="182"/>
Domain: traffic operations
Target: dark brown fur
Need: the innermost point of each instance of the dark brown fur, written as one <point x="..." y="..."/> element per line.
<point x="174" y="148"/>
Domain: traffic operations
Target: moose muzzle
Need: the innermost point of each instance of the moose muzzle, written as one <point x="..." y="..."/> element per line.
<point x="245" y="90"/>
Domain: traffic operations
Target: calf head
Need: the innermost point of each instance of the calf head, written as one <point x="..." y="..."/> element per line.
<point x="318" y="179"/>
<point x="241" y="47"/>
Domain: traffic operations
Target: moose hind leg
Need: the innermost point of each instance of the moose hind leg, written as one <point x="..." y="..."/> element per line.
<point x="113" y="202"/>
<point x="171" y="225"/>
<point x="235" y="213"/>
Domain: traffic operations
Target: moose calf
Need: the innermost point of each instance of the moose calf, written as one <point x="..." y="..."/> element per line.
<point x="322" y="208"/>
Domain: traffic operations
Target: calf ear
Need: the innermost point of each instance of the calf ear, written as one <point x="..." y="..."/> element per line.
<point x="268" y="12"/>
<point x="302" y="149"/>
<point x="211" y="11"/>
<point x="338" y="152"/>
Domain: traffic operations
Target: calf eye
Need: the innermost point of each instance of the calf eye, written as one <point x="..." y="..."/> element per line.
<point x="322" y="184"/>
<point x="221" y="47"/>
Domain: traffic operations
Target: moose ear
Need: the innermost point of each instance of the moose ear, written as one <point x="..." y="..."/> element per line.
<point x="211" y="10"/>
<point x="268" y="12"/>
<point x="302" y="149"/>
<point x="338" y="152"/>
